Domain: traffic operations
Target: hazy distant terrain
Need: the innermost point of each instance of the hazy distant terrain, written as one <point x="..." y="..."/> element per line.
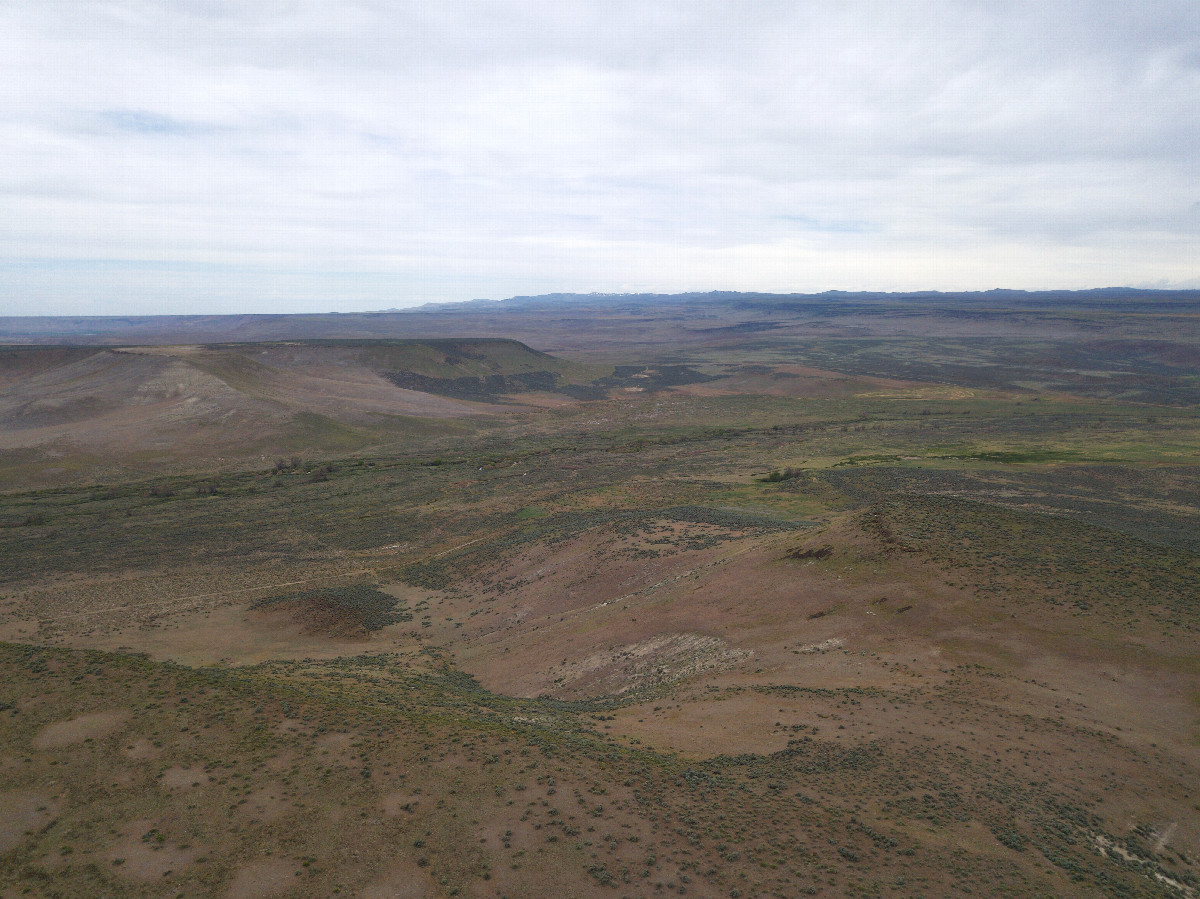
<point x="622" y="320"/>
<point x="714" y="594"/>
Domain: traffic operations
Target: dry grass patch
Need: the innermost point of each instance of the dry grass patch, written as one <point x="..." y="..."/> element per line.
<point x="22" y="812"/>
<point x="144" y="853"/>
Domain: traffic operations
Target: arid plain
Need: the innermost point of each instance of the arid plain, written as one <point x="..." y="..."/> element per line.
<point x="717" y="595"/>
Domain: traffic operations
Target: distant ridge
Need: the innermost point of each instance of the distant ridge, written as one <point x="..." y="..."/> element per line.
<point x="606" y="299"/>
<point x="529" y="317"/>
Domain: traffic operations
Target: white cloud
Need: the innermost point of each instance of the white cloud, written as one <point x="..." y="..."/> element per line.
<point x="318" y="155"/>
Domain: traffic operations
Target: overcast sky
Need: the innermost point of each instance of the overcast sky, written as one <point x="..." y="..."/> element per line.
<point x="206" y="156"/>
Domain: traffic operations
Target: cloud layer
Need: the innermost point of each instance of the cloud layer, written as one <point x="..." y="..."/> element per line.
<point x="275" y="156"/>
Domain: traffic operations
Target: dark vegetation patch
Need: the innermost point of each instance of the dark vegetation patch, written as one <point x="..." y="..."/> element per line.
<point x="783" y="474"/>
<point x="33" y="519"/>
<point x="482" y="389"/>
<point x="491" y="388"/>
<point x="1151" y="504"/>
<point x="652" y="378"/>
<point x="1003" y="457"/>
<point x="1130" y="370"/>
<point x="454" y="348"/>
<point x="25" y="360"/>
<point x="582" y="392"/>
<point x="1034" y="559"/>
<point x="348" y="611"/>
<point x="1016" y="457"/>
<point x="734" y="519"/>
<point x="753" y="327"/>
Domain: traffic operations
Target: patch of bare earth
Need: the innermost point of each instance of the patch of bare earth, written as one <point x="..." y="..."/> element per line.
<point x="405" y="879"/>
<point x="235" y="634"/>
<point x="268" y="877"/>
<point x="572" y="610"/>
<point x="335" y="744"/>
<point x="141" y="749"/>
<point x="657" y="661"/>
<point x="264" y="805"/>
<point x="77" y="730"/>
<point x="183" y="778"/>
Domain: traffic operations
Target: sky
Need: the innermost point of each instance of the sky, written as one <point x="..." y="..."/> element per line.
<point x="198" y="156"/>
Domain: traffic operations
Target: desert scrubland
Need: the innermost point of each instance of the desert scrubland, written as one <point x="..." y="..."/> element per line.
<point x="717" y="595"/>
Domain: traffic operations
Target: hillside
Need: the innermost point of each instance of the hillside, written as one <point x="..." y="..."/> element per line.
<point x="157" y="406"/>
